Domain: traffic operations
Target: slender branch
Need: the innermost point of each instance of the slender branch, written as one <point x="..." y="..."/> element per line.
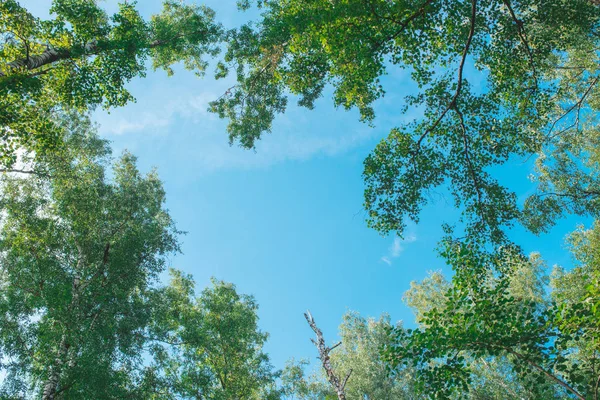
<point x="21" y="171"/>
<point x="544" y="372"/>
<point x="325" y="359"/>
<point x="403" y="24"/>
<point x="474" y="178"/>
<point x="576" y="105"/>
<point x="459" y="84"/>
<point x="346" y="379"/>
<point x="523" y="38"/>
<point x="534" y="365"/>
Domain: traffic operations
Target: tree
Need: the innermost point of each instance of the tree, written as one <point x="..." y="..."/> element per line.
<point x="79" y="253"/>
<point x="82" y="58"/>
<point x="496" y="79"/>
<point x="496" y="309"/>
<point x="82" y="314"/>
<point x="210" y="347"/>
<point x="490" y="377"/>
<point x="358" y="356"/>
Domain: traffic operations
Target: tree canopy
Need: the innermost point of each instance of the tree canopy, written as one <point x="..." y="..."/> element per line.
<point x="82" y="314"/>
<point x="82" y="58"/>
<point x="496" y="80"/>
<point x="85" y="237"/>
<point x="497" y="309"/>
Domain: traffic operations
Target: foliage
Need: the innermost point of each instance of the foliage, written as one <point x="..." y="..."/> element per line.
<point x="210" y="347"/>
<point x="79" y="253"/>
<point x="82" y="58"/>
<point x="81" y="312"/>
<point x="361" y="341"/>
<point x="497" y="309"/>
<point x="496" y="80"/>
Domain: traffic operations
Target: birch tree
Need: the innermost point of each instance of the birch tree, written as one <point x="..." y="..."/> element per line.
<point x="546" y="346"/>
<point x="209" y="346"/>
<point x="83" y="57"/>
<point x="79" y="253"/>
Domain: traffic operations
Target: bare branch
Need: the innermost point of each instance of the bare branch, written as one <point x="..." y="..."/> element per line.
<point x="577" y="105"/>
<point x="346" y="379"/>
<point x="325" y="359"/>
<point x="334" y="346"/>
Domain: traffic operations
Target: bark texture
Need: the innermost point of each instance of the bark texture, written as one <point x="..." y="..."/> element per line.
<point x="53" y="381"/>
<point x="48" y="57"/>
<point x="338" y="384"/>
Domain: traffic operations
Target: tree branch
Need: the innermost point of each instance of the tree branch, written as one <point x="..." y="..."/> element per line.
<point x="534" y="365"/>
<point x="325" y="359"/>
<point x="22" y="171"/>
<point x="523" y="38"/>
<point x="53" y="55"/>
<point x="461" y="68"/>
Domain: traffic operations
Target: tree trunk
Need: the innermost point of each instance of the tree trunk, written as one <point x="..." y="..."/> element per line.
<point x="50" y="56"/>
<point x="338" y="385"/>
<point x="47" y="57"/>
<point x="51" y="386"/>
<point x="53" y="381"/>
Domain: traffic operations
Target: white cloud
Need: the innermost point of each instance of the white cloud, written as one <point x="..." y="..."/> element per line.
<point x="185" y="132"/>
<point x="171" y="115"/>
<point x="398" y="246"/>
<point x="121" y="125"/>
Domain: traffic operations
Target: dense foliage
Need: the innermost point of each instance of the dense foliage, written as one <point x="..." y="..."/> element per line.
<point x="498" y="308"/>
<point x="80" y="308"/>
<point x="82" y="57"/>
<point x="84" y="237"/>
<point x="496" y="80"/>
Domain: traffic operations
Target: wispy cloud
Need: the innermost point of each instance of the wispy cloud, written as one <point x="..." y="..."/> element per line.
<point x="397" y="247"/>
<point x="142" y="122"/>
<point x="183" y="129"/>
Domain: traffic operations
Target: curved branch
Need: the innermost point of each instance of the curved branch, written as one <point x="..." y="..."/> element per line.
<point x="545" y="373"/>
<point x="523" y="38"/>
<point x="534" y="365"/>
<point x="470" y="163"/>
<point x="461" y="68"/>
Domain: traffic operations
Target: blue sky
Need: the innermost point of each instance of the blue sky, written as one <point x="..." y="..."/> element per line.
<point x="284" y="223"/>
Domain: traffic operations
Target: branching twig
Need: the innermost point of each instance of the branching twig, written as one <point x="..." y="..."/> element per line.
<point x="523" y="38"/>
<point x="574" y="106"/>
<point x="403" y="24"/>
<point x="338" y="385"/>
<point x="459" y="83"/>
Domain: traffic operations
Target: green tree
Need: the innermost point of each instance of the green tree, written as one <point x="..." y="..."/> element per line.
<point x="82" y="58"/>
<point x="211" y="345"/>
<point x="497" y="310"/>
<point x="491" y="377"/>
<point x="496" y="80"/>
<point x="361" y="340"/>
<point x="79" y="252"/>
<point x="82" y="314"/>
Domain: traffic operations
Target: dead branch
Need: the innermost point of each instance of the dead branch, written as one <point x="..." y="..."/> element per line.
<point x="338" y="385"/>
